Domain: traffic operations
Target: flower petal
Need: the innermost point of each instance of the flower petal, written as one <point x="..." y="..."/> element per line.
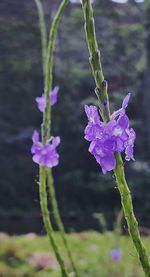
<point x="53" y="95"/>
<point x="35" y="137"/>
<point x="41" y="102"/>
<point x="108" y="163"/>
<point x="126" y="101"/>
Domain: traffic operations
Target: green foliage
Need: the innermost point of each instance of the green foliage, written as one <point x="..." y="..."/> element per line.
<point x="91" y="250"/>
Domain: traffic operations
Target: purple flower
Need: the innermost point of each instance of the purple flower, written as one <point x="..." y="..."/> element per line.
<point x="41" y="101"/>
<point x="46" y="154"/>
<point x="53" y="95"/>
<point x="92" y="114"/>
<point x="130" y="144"/>
<point x="123" y="108"/>
<point x="108" y="138"/>
<point x="94" y="128"/>
<point x="116" y="254"/>
<point x="103" y="151"/>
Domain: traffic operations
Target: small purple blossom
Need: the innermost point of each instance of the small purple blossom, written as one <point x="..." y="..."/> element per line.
<point x="53" y="95"/>
<point x="41" y="101"/>
<point x="108" y="138"/>
<point x="46" y="154"/>
<point x="116" y="254"/>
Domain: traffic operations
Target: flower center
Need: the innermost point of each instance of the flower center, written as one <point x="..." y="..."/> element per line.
<point x="117" y="131"/>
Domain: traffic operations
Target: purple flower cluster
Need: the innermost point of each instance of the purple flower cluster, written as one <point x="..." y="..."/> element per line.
<point x="116" y="254"/>
<point x="41" y="101"/>
<point x="108" y="138"/>
<point x="46" y="154"/>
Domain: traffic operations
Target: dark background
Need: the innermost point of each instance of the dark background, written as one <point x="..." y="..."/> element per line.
<point x="123" y="32"/>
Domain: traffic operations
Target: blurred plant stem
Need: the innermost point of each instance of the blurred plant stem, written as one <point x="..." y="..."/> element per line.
<point x="58" y="218"/>
<point x="47" y="222"/>
<point x="47" y="55"/>
<point x="43" y="31"/>
<point x="102" y="95"/>
<point x="118" y="222"/>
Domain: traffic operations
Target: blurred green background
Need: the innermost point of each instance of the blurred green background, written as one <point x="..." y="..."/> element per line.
<point x="123" y="32"/>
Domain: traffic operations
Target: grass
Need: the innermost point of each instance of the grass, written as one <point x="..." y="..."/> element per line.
<point x="91" y="251"/>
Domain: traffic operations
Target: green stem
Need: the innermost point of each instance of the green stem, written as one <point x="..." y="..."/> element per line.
<point x="42" y="26"/>
<point x="117" y="226"/>
<point x="47" y="121"/>
<point x="46" y="219"/>
<point x="58" y="218"/>
<point x="49" y="70"/>
<point x="127" y="205"/>
<point x="95" y="61"/>
<point x="102" y="94"/>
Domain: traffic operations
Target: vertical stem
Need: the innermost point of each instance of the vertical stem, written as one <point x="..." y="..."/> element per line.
<point x="42" y="26"/>
<point x="46" y="127"/>
<point x="47" y="72"/>
<point x="117" y="226"/>
<point x="146" y="95"/>
<point x="127" y="205"/>
<point x="58" y="218"/>
<point x="47" y="121"/>
<point x="95" y="60"/>
<point x="102" y="94"/>
<point x="47" y="223"/>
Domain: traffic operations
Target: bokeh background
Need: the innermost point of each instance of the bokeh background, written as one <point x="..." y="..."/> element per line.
<point x="123" y="32"/>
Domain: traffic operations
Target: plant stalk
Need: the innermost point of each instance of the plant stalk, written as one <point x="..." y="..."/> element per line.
<point x="47" y="55"/>
<point x="47" y="123"/>
<point x="45" y="135"/>
<point x="46" y="219"/>
<point x="42" y="26"/>
<point x="102" y="94"/>
<point x="49" y="70"/>
<point x="58" y="220"/>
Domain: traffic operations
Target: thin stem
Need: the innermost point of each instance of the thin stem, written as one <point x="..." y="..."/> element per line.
<point x="58" y="218"/>
<point x="95" y="61"/>
<point x="46" y="219"/>
<point x="127" y="205"/>
<point x="46" y="126"/>
<point x="117" y="226"/>
<point x="42" y="26"/>
<point x="102" y="94"/>
<point x="49" y="68"/>
<point x="47" y="122"/>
